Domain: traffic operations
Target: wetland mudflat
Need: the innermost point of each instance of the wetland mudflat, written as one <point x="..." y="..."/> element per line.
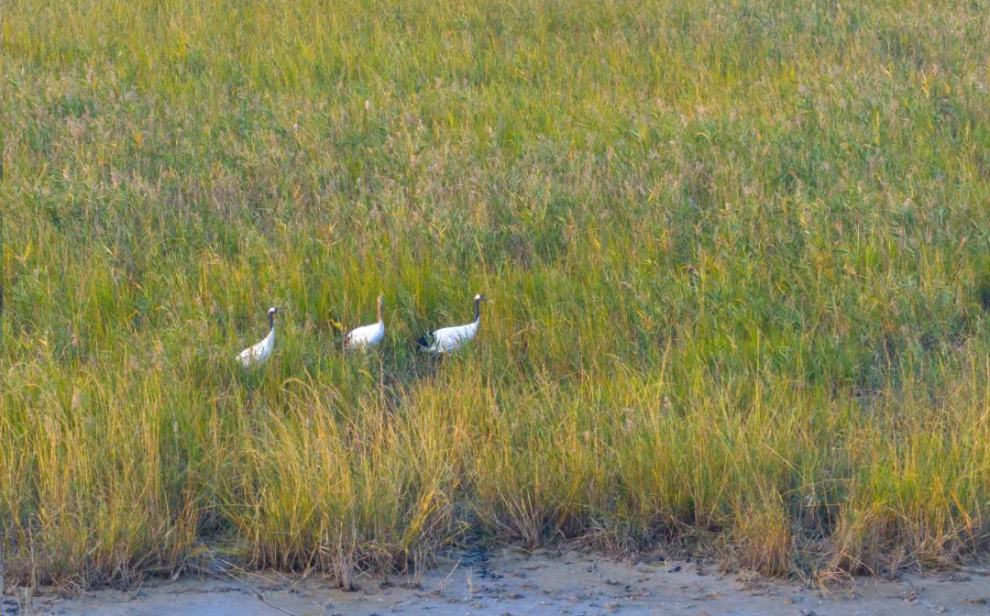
<point x="514" y="582"/>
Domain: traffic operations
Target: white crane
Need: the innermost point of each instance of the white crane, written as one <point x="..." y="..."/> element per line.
<point x="260" y="352"/>
<point x="452" y="338"/>
<point x="367" y="335"/>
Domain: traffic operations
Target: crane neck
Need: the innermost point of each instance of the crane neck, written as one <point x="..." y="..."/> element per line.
<point x="380" y="319"/>
<point x="271" y="320"/>
<point x="477" y="310"/>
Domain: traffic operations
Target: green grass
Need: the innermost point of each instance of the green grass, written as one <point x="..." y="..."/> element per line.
<point x="740" y="253"/>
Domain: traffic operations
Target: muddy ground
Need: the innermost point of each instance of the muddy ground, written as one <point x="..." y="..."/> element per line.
<point x="515" y="582"/>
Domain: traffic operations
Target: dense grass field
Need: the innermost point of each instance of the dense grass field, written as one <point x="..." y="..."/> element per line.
<point x="739" y="252"/>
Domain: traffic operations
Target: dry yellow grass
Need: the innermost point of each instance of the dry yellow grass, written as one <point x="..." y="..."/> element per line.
<point x="738" y="250"/>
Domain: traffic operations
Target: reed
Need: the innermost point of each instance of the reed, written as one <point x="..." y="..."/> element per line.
<point x="738" y="252"/>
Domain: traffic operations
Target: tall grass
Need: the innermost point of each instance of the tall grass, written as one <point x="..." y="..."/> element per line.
<point x="739" y="252"/>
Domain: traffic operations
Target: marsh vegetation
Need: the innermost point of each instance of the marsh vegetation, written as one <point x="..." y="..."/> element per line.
<point x="738" y="248"/>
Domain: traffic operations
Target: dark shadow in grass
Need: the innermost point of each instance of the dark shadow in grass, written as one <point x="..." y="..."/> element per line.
<point x="983" y="293"/>
<point x="406" y="369"/>
<point x="424" y="364"/>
